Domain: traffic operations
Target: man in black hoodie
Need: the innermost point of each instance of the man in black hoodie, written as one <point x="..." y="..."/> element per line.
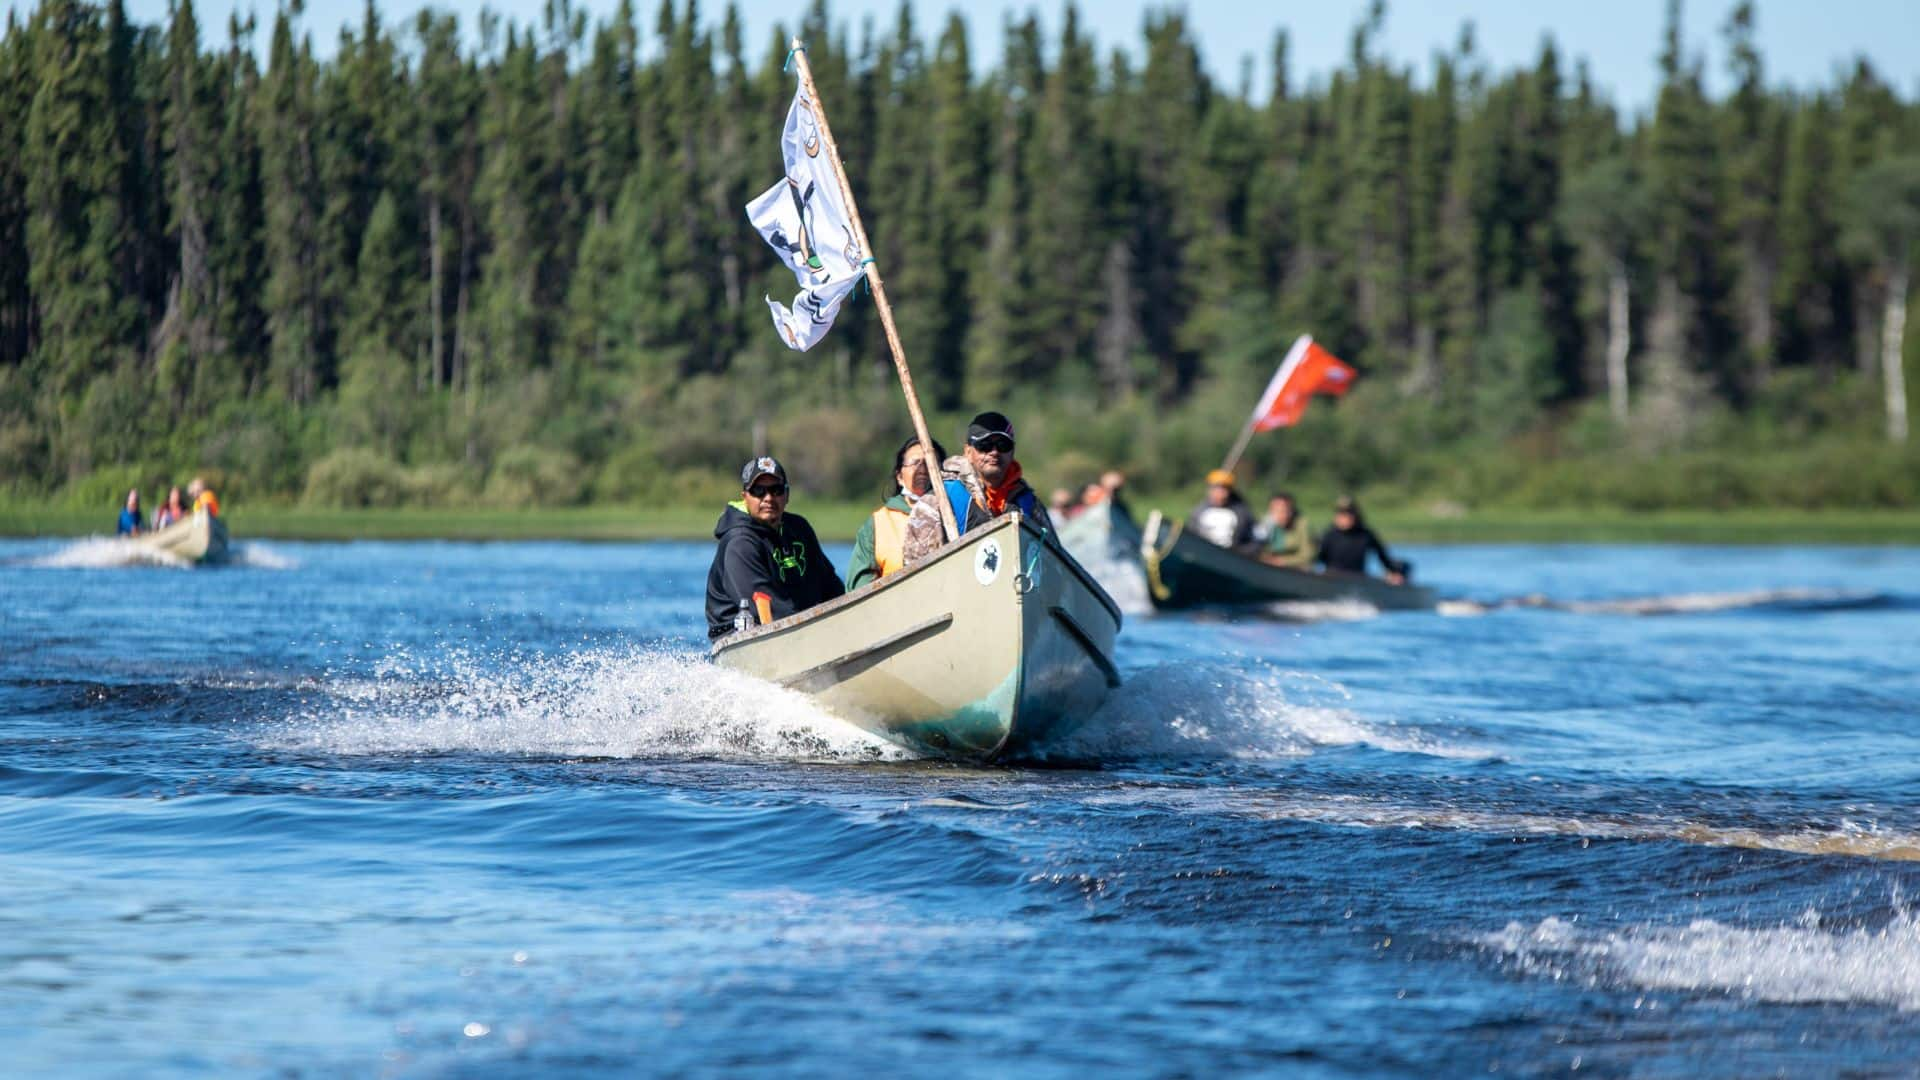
<point x="1345" y="546"/>
<point x="765" y="556"/>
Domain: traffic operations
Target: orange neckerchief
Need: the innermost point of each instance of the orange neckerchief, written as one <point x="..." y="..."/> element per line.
<point x="997" y="496"/>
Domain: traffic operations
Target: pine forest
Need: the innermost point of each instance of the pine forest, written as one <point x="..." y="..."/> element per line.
<point x="508" y="265"/>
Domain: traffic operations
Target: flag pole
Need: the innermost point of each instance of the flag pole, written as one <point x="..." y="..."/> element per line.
<point x="879" y="291"/>
<point x="1240" y="445"/>
<point x="1295" y="354"/>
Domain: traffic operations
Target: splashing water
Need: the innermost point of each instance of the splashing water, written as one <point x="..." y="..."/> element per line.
<point x="1792" y="963"/>
<point x="600" y="704"/>
<point x="1216" y="712"/>
<point x="108" y="552"/>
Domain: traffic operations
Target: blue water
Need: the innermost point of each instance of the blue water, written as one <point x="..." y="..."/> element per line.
<point x="452" y="809"/>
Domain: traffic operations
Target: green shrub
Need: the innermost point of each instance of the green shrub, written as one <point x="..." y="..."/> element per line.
<point x="534" y="476"/>
<point x="352" y="477"/>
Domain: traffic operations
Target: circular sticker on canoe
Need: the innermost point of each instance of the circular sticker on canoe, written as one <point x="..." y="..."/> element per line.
<point x="986" y="562"/>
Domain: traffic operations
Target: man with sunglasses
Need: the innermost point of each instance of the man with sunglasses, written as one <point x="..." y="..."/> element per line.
<point x="765" y="556"/>
<point x="997" y="484"/>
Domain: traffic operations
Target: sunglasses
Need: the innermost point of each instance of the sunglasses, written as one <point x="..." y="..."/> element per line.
<point x="993" y="444"/>
<point x="768" y="491"/>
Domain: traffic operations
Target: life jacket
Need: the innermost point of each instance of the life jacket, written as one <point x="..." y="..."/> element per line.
<point x="889" y="541"/>
<point x="207" y="502"/>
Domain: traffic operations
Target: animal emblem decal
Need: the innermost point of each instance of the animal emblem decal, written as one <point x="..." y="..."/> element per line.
<point x="986" y="562"/>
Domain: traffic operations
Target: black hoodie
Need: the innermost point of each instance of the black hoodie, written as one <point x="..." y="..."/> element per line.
<point x="788" y="566"/>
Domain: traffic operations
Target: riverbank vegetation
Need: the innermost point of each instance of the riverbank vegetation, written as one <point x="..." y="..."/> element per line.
<point x="425" y="272"/>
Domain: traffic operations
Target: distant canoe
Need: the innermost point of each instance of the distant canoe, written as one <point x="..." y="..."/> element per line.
<point x="1102" y="533"/>
<point x="199" y="538"/>
<point x="1185" y="571"/>
<point x="988" y="647"/>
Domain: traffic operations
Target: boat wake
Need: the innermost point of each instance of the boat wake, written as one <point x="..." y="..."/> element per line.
<point x="1309" y="611"/>
<point x="114" y="553"/>
<point x="1795" y="963"/>
<point x="107" y="553"/>
<point x="1212" y="711"/>
<point x="600" y="704"/>
<point x="1787" y="600"/>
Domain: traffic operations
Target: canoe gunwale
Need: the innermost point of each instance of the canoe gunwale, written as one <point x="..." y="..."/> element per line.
<point x="1012" y="520"/>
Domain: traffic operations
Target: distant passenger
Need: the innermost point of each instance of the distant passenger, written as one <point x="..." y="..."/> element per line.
<point x="170" y="511"/>
<point x="131" y="521"/>
<point x="1344" y="547"/>
<point x="1289" y="540"/>
<point x="1060" y="504"/>
<point x="1224" y="520"/>
<point x="990" y="481"/>
<point x="203" y="498"/>
<point x="765" y="556"/>
<point x="1105" y="491"/>
<point x="903" y="530"/>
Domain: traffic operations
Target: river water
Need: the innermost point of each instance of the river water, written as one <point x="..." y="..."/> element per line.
<point x="446" y="809"/>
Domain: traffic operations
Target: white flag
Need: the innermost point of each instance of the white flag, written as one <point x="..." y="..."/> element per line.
<point x="802" y="218"/>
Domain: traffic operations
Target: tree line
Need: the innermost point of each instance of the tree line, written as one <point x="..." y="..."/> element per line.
<point x="512" y="266"/>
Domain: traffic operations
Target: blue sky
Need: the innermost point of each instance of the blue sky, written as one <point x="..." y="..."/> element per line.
<point x="1803" y="41"/>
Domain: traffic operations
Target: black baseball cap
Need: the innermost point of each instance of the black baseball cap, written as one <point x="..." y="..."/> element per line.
<point x="759" y="467"/>
<point x="988" y="424"/>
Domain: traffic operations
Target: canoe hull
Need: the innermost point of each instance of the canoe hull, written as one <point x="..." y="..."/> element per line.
<point x="994" y="644"/>
<point x="1185" y="571"/>
<point x="200" y="538"/>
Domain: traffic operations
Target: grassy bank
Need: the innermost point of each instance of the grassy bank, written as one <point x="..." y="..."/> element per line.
<point x="837" y="521"/>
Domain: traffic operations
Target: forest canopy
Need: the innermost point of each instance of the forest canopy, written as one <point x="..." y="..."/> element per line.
<point x="513" y="268"/>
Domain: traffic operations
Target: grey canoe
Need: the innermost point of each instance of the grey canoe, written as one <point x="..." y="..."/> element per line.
<point x="1184" y="571"/>
<point x="990" y="646"/>
<point x="198" y="538"/>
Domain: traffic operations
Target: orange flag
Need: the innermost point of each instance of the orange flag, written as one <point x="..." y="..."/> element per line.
<point x="1307" y="370"/>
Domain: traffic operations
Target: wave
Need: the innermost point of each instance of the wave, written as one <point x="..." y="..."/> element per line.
<point x="1789" y="599"/>
<point x="1847" y="839"/>
<point x="635" y="703"/>
<point x="1186" y="711"/>
<point x="1793" y="963"/>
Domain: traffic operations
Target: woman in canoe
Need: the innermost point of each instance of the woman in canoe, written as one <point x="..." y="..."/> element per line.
<point x="174" y="509"/>
<point x="905" y="527"/>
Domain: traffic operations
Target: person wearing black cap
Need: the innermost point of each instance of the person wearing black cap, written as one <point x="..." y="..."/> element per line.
<point x="765" y="556"/>
<point x="1345" y="544"/>
<point x="999" y="487"/>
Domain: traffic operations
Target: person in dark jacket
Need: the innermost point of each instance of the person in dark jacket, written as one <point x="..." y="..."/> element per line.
<point x="996" y="484"/>
<point x="764" y="555"/>
<point x="1344" y="546"/>
<point x="1224" y="519"/>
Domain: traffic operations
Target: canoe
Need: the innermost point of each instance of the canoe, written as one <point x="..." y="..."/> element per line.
<point x="198" y="538"/>
<point x="1101" y="534"/>
<point x="1185" y="571"/>
<point x="989" y="646"/>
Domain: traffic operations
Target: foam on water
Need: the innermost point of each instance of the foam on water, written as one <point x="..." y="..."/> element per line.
<point x="602" y="704"/>
<point x="113" y="552"/>
<point x="1795" y="963"/>
<point x="1213" y="711"/>
<point x="106" y="553"/>
<point x="1349" y="609"/>
<point x="1845" y="839"/>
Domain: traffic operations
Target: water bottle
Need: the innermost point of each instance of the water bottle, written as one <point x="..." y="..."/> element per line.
<point x="743" y="619"/>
